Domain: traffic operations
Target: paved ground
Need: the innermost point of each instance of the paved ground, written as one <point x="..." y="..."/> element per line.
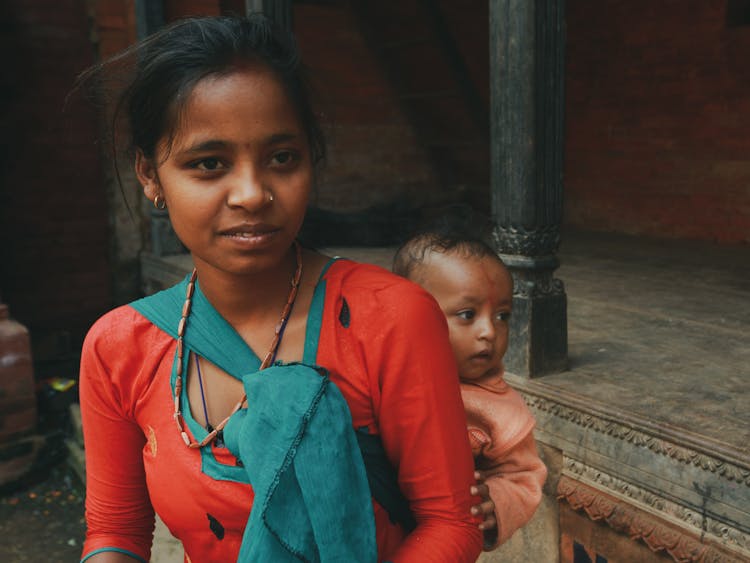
<point x="662" y="329"/>
<point x="43" y="521"/>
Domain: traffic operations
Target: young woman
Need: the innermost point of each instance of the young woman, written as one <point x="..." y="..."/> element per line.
<point x="351" y="445"/>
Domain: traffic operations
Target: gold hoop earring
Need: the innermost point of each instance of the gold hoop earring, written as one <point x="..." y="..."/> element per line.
<point x="160" y="202"/>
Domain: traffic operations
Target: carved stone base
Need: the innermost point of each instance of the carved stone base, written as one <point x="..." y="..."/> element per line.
<point x="660" y="535"/>
<point x="600" y="542"/>
<point x="538" y="325"/>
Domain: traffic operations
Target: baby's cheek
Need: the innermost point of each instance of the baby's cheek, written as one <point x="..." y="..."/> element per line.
<point x="460" y="342"/>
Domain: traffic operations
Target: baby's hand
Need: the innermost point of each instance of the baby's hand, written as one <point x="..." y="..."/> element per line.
<point x="486" y="508"/>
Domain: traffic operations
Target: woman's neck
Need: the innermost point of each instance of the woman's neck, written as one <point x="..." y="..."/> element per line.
<point x="240" y="297"/>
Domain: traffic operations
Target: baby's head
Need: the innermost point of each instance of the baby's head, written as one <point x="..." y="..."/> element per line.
<point x="473" y="288"/>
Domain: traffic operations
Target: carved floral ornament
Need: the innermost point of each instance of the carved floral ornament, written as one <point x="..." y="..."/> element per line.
<point x="527" y="242"/>
<point x="639" y="525"/>
<point x="644" y="501"/>
<point x="526" y="284"/>
<point x="683" y="454"/>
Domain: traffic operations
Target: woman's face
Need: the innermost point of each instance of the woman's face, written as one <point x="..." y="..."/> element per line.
<point x="237" y="177"/>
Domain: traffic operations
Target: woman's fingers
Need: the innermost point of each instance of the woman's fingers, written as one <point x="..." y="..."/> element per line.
<point x="481" y="491"/>
<point x="487" y="507"/>
<point x="484" y="508"/>
<point x="489" y="523"/>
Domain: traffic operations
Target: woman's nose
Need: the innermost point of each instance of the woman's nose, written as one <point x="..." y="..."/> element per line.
<point x="246" y="189"/>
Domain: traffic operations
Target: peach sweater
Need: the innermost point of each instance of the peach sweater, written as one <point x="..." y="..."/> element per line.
<point x="500" y="429"/>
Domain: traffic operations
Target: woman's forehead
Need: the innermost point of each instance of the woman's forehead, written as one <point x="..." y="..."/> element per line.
<point x="246" y="105"/>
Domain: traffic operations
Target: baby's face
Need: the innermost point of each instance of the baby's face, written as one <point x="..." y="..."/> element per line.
<point x="475" y="295"/>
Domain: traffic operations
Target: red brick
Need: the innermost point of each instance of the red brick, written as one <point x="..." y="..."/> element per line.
<point x="657" y="118"/>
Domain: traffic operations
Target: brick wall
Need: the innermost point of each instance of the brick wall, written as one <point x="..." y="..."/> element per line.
<point x="658" y="115"/>
<point x="53" y="220"/>
<point x="374" y="155"/>
<point x="174" y="9"/>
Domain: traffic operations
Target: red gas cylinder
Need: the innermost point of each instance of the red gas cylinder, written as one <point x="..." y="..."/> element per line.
<point x="17" y="397"/>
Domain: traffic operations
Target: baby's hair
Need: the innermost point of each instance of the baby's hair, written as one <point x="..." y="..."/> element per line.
<point x="152" y="81"/>
<point x="458" y="229"/>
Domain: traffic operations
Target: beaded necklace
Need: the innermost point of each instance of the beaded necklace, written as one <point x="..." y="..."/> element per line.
<point x="267" y="360"/>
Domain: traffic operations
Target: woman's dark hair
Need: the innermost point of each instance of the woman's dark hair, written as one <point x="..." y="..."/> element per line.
<point x="161" y="71"/>
<point x="456" y="228"/>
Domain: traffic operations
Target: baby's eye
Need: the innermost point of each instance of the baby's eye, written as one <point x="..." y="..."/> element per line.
<point x="466" y="314"/>
<point x="502" y="316"/>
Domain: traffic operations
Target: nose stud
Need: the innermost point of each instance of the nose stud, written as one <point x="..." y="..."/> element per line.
<point x="269" y="197"/>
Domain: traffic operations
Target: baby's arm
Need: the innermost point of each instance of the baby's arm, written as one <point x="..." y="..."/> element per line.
<point x="514" y="483"/>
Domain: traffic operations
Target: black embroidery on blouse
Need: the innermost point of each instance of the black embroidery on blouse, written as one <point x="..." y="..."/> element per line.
<point x="215" y="526"/>
<point x="344" y="316"/>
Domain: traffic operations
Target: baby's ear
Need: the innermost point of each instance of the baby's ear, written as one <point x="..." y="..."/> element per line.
<point x="146" y="173"/>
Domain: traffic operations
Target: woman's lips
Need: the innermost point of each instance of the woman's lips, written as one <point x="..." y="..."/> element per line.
<point x="251" y="236"/>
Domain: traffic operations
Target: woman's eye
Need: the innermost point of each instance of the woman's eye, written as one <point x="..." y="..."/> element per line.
<point x="208" y="164"/>
<point x="466" y="315"/>
<point x="284" y="158"/>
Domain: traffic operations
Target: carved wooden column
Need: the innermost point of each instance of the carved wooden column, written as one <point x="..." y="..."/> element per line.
<point x="527" y="45"/>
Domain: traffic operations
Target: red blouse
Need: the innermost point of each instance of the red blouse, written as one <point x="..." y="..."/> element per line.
<point x="385" y="343"/>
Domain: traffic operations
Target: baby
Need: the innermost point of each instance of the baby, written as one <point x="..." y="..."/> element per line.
<point x="474" y="290"/>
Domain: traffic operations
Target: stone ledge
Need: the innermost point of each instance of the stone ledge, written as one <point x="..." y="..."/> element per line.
<point x="677" y="443"/>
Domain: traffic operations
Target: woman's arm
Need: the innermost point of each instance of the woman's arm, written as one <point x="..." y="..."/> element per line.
<point x="423" y="427"/>
<point x="119" y="516"/>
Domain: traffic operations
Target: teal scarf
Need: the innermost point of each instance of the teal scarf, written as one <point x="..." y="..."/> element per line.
<point x="312" y="502"/>
<point x="300" y="453"/>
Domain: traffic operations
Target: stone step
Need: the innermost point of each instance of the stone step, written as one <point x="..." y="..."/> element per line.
<point x="76" y="459"/>
<point x="19" y="457"/>
<point x="75" y="422"/>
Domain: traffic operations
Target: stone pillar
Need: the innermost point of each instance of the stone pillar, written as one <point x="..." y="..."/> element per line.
<point x="527" y="45"/>
<point x="149" y="17"/>
<point x="278" y="10"/>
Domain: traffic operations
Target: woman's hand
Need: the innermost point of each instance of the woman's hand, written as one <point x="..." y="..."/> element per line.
<point x="486" y="509"/>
